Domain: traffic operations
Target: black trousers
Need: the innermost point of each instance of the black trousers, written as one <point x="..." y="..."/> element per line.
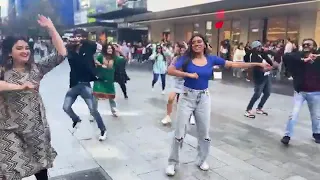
<point x="42" y="175"/>
<point x="123" y="88"/>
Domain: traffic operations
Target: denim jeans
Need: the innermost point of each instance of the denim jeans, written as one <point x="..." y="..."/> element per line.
<point x="313" y="100"/>
<point x="85" y="91"/>
<point x="163" y="80"/>
<point x="263" y="87"/>
<point x="112" y="102"/>
<point x="199" y="103"/>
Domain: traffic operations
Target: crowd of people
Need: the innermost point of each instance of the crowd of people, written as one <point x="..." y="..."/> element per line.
<point x="24" y="131"/>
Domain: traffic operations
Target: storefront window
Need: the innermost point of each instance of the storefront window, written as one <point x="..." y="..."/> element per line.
<point x="276" y="28"/>
<point x="196" y="28"/>
<point x="235" y="35"/>
<point x="225" y="31"/>
<point x="293" y="28"/>
<point x="166" y="36"/>
<point x="209" y="31"/>
<point x="255" y="30"/>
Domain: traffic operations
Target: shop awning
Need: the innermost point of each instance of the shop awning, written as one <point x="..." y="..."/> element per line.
<point x="219" y="6"/>
<point x="102" y="24"/>
<point x="121" y="13"/>
<point x="105" y="25"/>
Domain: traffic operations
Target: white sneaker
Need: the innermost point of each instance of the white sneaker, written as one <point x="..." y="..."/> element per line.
<point x="192" y="120"/>
<point x="103" y="135"/>
<point x="204" y="166"/>
<point x="75" y="126"/>
<point x="163" y="92"/>
<point x="170" y="171"/>
<point x="115" y="112"/>
<point x="152" y="89"/>
<point x="91" y="119"/>
<point x="166" y="120"/>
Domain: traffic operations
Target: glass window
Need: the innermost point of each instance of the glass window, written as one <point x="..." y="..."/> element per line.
<point x="225" y="31"/>
<point x="196" y="28"/>
<point x="255" y="30"/>
<point x="209" y="31"/>
<point x="235" y="36"/>
<point x="277" y="27"/>
<point x="293" y="28"/>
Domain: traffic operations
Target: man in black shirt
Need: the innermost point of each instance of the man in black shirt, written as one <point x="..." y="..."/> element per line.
<point x="81" y="61"/>
<point x="305" y="69"/>
<point x="262" y="81"/>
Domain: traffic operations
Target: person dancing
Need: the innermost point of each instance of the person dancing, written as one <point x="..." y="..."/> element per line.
<point x="180" y="49"/>
<point x="24" y="130"/>
<point x="80" y="57"/>
<point x="305" y="69"/>
<point x="196" y="68"/>
<point x="120" y="74"/>
<point x="159" y="67"/>
<point x="106" y="64"/>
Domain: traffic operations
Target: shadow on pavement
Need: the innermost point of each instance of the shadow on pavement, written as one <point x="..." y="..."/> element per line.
<point x="92" y="174"/>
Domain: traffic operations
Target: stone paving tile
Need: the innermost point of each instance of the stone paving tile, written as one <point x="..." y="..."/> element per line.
<point x="296" y="178"/>
<point x="209" y="175"/>
<point x="301" y="171"/>
<point x="270" y="168"/>
<point x="232" y="150"/>
<point x="230" y="173"/>
<point x="160" y="175"/>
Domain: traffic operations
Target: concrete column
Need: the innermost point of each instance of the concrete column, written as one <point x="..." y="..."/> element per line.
<point x="244" y="29"/>
<point x="215" y="44"/>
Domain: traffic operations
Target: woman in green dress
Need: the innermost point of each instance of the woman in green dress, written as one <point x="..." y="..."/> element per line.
<point x="106" y="63"/>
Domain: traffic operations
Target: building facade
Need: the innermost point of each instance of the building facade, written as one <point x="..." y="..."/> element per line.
<point x="241" y="21"/>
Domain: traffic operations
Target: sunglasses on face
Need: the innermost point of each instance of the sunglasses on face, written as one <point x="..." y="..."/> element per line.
<point x="306" y="44"/>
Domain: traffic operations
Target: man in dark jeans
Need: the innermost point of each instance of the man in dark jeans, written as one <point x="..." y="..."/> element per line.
<point x="262" y="80"/>
<point x="80" y="57"/>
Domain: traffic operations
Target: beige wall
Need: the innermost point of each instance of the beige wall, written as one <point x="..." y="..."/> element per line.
<point x="157" y="28"/>
<point x="307" y="25"/>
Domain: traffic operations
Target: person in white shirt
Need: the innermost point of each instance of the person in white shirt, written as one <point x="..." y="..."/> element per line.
<point x="288" y="49"/>
<point x="289" y="46"/>
<point x="238" y="56"/>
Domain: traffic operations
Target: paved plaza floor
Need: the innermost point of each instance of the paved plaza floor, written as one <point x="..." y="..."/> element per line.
<point x="138" y="145"/>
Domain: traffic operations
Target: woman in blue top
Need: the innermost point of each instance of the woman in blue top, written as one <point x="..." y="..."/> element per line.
<point x="196" y="67"/>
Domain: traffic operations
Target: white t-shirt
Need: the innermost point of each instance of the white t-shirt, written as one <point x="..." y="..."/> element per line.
<point x="239" y="55"/>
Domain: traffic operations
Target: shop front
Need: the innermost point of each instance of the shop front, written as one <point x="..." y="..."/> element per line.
<point x="273" y="22"/>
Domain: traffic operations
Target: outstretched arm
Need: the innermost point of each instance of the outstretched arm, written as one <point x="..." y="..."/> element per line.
<point x="52" y="60"/>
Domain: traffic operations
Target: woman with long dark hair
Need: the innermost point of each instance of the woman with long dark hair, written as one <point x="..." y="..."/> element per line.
<point x="159" y="67"/>
<point x="106" y="64"/>
<point x="196" y="67"/>
<point x="24" y="131"/>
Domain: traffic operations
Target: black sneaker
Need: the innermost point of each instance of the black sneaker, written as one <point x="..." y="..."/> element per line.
<point x="126" y="96"/>
<point x="316" y="136"/>
<point x="285" y="140"/>
<point x="262" y="112"/>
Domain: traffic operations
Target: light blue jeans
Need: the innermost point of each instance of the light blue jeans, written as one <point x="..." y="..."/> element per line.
<point x="313" y="100"/>
<point x="199" y="103"/>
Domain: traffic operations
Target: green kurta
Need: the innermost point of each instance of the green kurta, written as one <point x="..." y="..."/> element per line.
<point x="105" y="89"/>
